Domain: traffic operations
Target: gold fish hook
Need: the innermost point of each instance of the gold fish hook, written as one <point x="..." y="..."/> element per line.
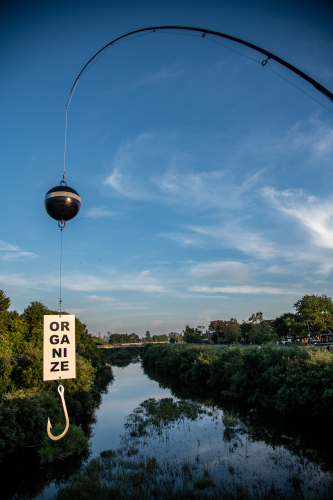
<point x="49" y="426"/>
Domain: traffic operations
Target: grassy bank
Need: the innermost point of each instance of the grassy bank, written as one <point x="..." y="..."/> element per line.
<point x="290" y="380"/>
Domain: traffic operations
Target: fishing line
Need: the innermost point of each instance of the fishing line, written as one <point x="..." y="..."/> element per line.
<point x="270" y="69"/>
<point x="64" y="171"/>
<point x="60" y="301"/>
<point x="233" y="50"/>
<point x="88" y="66"/>
<point x="283" y="78"/>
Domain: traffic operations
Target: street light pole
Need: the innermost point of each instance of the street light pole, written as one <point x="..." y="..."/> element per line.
<point x="307" y="323"/>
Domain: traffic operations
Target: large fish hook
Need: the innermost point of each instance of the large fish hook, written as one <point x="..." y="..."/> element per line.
<point x="49" y="426"/>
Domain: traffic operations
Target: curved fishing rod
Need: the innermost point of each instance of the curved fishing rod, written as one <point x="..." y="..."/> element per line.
<point x="268" y="55"/>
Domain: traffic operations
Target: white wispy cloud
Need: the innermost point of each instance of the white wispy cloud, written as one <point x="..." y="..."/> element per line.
<point x="97" y="212"/>
<point x="235" y="235"/>
<point x="7" y="246"/>
<point x="177" y="173"/>
<point x="250" y="289"/>
<point x="312" y="136"/>
<point x="313" y="214"/>
<point x="184" y="239"/>
<point x="100" y="298"/>
<point x="13" y="252"/>
<point x="110" y="302"/>
<point x="19" y="280"/>
<point x="223" y="271"/>
<point x="140" y="282"/>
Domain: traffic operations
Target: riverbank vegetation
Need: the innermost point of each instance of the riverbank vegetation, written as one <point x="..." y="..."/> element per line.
<point x="291" y="380"/>
<point x="25" y="400"/>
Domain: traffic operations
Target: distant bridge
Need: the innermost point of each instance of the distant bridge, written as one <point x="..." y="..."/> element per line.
<point x="124" y="346"/>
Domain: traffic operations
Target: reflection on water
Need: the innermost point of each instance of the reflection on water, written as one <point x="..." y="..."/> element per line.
<point x="164" y="418"/>
<point x="308" y="439"/>
<point x="228" y="454"/>
<point x="130" y="388"/>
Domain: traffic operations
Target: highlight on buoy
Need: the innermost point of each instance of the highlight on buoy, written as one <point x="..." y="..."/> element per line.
<point x="62" y="203"/>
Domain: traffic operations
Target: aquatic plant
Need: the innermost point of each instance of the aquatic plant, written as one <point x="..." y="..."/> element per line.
<point x="117" y="476"/>
<point x="230" y="419"/>
<point x="154" y="415"/>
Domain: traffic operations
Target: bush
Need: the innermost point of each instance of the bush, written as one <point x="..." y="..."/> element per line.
<point x="6" y="367"/>
<point x="24" y="414"/>
<point x="291" y="380"/>
<point x="23" y="417"/>
<point x="26" y="401"/>
<point x="73" y="443"/>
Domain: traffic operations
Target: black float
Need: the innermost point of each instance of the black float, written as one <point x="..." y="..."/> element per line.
<point x="62" y="203"/>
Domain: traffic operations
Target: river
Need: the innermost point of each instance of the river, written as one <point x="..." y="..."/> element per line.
<point x="256" y="448"/>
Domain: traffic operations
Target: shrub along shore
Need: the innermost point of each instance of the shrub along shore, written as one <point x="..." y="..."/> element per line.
<point x="291" y="380"/>
<point x="26" y="401"/>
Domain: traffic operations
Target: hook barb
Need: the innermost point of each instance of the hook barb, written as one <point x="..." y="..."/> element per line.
<point x="49" y="426"/>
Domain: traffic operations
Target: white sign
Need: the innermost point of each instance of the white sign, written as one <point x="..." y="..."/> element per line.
<point x="59" y="347"/>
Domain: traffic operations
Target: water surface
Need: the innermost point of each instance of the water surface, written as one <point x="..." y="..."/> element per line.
<point x="263" y="449"/>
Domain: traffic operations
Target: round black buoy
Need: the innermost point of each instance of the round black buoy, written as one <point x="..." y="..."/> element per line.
<point x="62" y="203"/>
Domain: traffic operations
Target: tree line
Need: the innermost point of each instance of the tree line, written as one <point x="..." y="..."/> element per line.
<point x="125" y="338"/>
<point x="313" y="317"/>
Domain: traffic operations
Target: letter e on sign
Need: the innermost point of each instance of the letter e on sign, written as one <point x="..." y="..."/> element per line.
<point x="59" y="347"/>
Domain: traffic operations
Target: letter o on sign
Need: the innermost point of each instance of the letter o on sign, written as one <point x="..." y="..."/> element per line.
<point x="54" y="326"/>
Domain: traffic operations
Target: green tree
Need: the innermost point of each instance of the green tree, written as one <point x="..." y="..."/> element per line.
<point x="175" y="337"/>
<point x="217" y="327"/>
<point x="256" y="318"/>
<point x="122" y="338"/>
<point x="246" y="329"/>
<point x="135" y="338"/>
<point x="190" y="336"/>
<point x="4" y="302"/>
<point x="159" y="338"/>
<point x="256" y="330"/>
<point x="288" y="324"/>
<point x="85" y="346"/>
<point x="33" y="316"/>
<point x="231" y="332"/>
<point x="317" y="311"/>
<point x="13" y="329"/>
<point x="262" y="332"/>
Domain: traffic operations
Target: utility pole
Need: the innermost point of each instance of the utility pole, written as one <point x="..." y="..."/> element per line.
<point x="308" y="323"/>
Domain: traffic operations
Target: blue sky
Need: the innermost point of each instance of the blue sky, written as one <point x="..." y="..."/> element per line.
<point x="206" y="179"/>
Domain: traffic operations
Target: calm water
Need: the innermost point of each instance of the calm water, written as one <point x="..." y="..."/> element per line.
<point x="263" y="448"/>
